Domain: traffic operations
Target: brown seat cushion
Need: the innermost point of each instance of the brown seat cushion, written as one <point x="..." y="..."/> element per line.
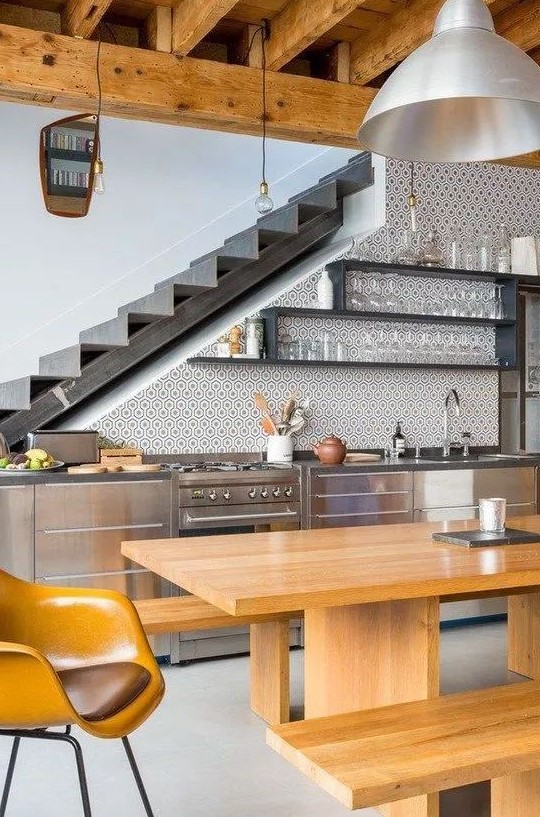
<point x="100" y="691"/>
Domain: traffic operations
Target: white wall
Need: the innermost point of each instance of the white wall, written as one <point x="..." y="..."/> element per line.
<point x="172" y="194"/>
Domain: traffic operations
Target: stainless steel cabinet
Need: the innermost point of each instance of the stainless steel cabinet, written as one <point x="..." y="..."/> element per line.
<point x="79" y="528"/>
<point x="17" y="530"/>
<point x="345" y="498"/>
<point x="463" y="488"/>
<point x="442" y="495"/>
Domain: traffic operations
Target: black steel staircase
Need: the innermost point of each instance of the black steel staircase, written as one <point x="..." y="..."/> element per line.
<point x="146" y="327"/>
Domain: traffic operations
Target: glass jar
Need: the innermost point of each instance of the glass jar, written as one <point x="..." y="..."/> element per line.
<point x="432" y="254"/>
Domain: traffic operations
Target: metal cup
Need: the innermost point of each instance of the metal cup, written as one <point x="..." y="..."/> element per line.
<point x="492" y="515"/>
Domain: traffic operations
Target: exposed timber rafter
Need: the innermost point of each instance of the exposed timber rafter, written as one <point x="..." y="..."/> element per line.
<point x="520" y="24"/>
<point x="194" y="19"/>
<point x="300" y="24"/>
<point x="160" y="87"/>
<point x="80" y="18"/>
<point x="393" y="39"/>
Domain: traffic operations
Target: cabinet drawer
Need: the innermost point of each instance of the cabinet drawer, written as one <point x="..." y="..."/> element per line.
<point x="470" y="512"/>
<point x="338" y="505"/>
<point x="93" y="505"/>
<point x="353" y="520"/>
<point x="344" y="483"/>
<point x="453" y="489"/>
<point x="76" y="552"/>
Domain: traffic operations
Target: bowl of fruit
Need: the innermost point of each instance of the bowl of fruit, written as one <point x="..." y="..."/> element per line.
<point x="35" y="459"/>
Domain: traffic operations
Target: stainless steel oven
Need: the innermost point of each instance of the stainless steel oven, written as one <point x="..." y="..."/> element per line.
<point x="233" y="498"/>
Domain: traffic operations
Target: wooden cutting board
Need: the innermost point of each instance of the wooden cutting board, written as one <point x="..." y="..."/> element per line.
<point x="87" y="469"/>
<point x="360" y="457"/>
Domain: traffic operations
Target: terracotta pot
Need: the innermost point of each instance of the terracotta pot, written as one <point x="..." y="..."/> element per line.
<point x="331" y="450"/>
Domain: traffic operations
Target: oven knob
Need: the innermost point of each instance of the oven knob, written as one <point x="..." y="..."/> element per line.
<point x="276" y="492"/>
<point x="212" y="495"/>
<point x="288" y="491"/>
<point x="264" y="493"/>
<point x="226" y="494"/>
<point x="252" y="493"/>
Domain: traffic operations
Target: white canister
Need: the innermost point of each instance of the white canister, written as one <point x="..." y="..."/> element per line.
<point x="325" y="291"/>
<point x="279" y="448"/>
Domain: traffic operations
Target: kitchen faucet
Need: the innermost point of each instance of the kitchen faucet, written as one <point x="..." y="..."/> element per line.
<point x="452" y="395"/>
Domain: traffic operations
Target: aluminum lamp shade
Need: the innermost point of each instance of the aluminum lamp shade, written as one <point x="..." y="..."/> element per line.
<point x="466" y="95"/>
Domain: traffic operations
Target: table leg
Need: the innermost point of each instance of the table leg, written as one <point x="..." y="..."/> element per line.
<point x="524" y="634"/>
<point x="517" y="795"/>
<point x="269" y="668"/>
<point x="371" y="655"/>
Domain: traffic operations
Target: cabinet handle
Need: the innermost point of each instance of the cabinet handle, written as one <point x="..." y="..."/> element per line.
<point x="105" y="527"/>
<point x="368" y="493"/>
<point x="57" y="485"/>
<point x="363" y="513"/>
<point x="66" y="576"/>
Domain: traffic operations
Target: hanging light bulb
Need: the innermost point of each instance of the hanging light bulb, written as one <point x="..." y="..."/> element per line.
<point x="263" y="202"/>
<point x="99" y="184"/>
<point x="412" y="201"/>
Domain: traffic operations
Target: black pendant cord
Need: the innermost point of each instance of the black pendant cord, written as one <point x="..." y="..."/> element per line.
<point x="98" y="77"/>
<point x="263" y="49"/>
<point x="263" y="31"/>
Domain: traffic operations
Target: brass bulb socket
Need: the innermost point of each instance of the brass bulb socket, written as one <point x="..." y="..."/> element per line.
<point x="263" y="189"/>
<point x="98" y="166"/>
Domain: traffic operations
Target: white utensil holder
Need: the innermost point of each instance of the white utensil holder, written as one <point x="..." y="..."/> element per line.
<point x="279" y="449"/>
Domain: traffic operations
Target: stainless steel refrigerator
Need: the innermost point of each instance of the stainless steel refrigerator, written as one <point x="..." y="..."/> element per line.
<point x="520" y="390"/>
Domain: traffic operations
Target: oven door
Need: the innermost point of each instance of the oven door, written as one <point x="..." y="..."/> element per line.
<point x="209" y="521"/>
<point x="205" y="521"/>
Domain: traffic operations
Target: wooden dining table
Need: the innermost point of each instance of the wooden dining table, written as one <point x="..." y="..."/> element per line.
<point x="371" y="598"/>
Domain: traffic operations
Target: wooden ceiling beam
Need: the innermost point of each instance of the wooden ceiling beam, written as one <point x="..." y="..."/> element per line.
<point x="300" y="24"/>
<point x="520" y="24"/>
<point x="80" y="18"/>
<point x="194" y="19"/>
<point x="393" y="39"/>
<point x="160" y="87"/>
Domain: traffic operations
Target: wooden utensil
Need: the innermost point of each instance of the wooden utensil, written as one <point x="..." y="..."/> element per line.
<point x="288" y="409"/>
<point x="154" y="466"/>
<point x="262" y="404"/>
<point x="268" y="425"/>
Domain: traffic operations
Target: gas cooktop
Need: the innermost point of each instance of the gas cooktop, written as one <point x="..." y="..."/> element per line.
<point x="210" y="467"/>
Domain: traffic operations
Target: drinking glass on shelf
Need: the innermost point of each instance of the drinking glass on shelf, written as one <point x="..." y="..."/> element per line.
<point x="470" y="251"/>
<point x="329" y="346"/>
<point x="358" y="299"/>
<point x="454" y="252"/>
<point x="499" y="309"/>
<point x="375" y="297"/>
<point x="342" y="351"/>
<point x="367" y="349"/>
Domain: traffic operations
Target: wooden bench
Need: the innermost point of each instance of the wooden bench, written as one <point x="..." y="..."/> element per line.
<point x="268" y="644"/>
<point x="396" y="752"/>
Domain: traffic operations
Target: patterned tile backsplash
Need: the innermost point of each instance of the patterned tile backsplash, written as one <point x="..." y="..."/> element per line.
<point x="209" y="408"/>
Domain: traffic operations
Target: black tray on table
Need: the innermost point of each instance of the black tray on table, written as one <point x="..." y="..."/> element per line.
<point x="478" y="538"/>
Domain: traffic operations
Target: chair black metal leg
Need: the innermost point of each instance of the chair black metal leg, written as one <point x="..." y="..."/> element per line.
<point x="9" y="775"/>
<point x="82" y="774"/>
<point x="43" y="734"/>
<point x="137" y="776"/>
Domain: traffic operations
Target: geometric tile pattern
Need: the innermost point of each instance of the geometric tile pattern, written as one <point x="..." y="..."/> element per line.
<point x="209" y="408"/>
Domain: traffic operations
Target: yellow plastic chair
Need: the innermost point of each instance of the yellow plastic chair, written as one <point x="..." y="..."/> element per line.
<point x="73" y="656"/>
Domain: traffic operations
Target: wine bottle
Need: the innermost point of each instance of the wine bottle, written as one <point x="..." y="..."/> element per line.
<point x="398" y="440"/>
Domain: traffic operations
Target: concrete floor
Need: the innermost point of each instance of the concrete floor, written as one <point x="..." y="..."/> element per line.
<point x="203" y="752"/>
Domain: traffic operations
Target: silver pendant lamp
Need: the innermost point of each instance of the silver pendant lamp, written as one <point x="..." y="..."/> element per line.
<point x="466" y="95"/>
